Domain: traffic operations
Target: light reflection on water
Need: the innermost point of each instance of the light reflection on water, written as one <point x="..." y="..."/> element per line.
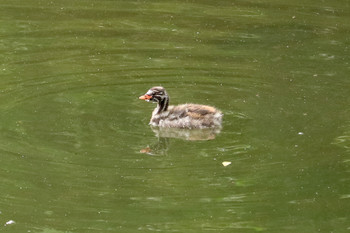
<point x="72" y="127"/>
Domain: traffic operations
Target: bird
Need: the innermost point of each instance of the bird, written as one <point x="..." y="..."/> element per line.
<point x="186" y="116"/>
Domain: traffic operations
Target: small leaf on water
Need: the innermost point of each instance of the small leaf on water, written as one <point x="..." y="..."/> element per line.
<point x="226" y="163"/>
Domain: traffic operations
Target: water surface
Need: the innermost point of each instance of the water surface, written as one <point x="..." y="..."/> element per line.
<point x="72" y="126"/>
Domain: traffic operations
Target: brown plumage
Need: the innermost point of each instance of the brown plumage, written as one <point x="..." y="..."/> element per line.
<point x="180" y="116"/>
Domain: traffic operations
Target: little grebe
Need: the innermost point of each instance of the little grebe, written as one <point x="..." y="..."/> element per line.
<point x="181" y="116"/>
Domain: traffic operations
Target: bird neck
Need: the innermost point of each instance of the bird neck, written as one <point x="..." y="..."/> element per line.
<point x="163" y="104"/>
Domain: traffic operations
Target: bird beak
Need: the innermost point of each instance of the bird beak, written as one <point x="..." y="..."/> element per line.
<point x="145" y="97"/>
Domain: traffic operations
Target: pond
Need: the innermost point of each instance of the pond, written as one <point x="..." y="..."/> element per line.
<point x="78" y="155"/>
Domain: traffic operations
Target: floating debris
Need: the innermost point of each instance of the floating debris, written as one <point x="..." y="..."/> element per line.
<point x="226" y="163"/>
<point x="9" y="222"/>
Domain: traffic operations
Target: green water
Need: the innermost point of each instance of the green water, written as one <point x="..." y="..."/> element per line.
<point x="72" y="127"/>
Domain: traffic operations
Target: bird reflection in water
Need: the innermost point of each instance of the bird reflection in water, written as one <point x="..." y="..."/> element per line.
<point x="164" y="136"/>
